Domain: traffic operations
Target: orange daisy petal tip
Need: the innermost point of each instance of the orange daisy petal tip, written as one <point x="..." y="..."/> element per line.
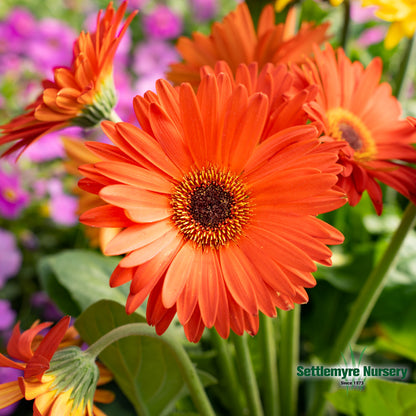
<point x="81" y="95"/>
<point x="353" y="107"/>
<point x="270" y="43"/>
<point x="412" y="121"/>
<point x="222" y="205"/>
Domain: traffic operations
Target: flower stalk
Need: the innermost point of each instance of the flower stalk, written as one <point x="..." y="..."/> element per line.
<point x="346" y="24"/>
<point x="407" y="64"/>
<point x="288" y="359"/>
<point x="270" y="369"/>
<point x="228" y="373"/>
<point x="185" y="365"/>
<point x="248" y="376"/>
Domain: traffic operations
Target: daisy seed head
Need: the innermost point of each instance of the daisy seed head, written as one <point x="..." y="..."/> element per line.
<point x="211" y="207"/>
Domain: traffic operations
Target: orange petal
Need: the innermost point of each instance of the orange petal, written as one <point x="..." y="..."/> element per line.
<point x="10" y="393"/>
<point x="237" y="276"/>
<point x="134" y="175"/>
<point x="136" y="236"/>
<point x="177" y="275"/>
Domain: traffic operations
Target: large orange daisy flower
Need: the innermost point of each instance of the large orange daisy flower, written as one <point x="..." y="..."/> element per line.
<point x="235" y="40"/>
<point x="45" y="378"/>
<point x="353" y="107"/>
<point x="81" y="95"/>
<point x="217" y="224"/>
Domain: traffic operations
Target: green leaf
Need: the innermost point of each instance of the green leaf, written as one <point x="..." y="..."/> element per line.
<point x="58" y="293"/>
<point x="380" y="398"/>
<point x="144" y="368"/>
<point x="75" y="279"/>
<point x="395" y="311"/>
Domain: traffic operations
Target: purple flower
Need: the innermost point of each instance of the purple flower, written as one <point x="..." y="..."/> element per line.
<point x="125" y="94"/>
<point x="51" y="45"/>
<point x="49" y="310"/>
<point x="137" y="4"/>
<point x="22" y="23"/>
<point x="147" y="83"/>
<point x="360" y="14"/>
<point x="50" y="146"/>
<point x="16" y="31"/>
<point x="373" y="35"/>
<point x="7" y="375"/>
<point x="10" y="257"/>
<point x="12" y="197"/>
<point x="162" y="23"/>
<point x="7" y="315"/>
<point x="204" y="9"/>
<point x="62" y="207"/>
<point x="153" y="56"/>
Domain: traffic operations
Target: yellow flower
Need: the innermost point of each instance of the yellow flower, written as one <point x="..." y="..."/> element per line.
<point x="401" y="14"/>
<point x="281" y="4"/>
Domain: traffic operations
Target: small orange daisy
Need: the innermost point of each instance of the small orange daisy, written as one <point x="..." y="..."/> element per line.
<point x="235" y="40"/>
<point x="81" y="95"/>
<point x="354" y="108"/>
<point x="219" y="222"/>
<point x="46" y="362"/>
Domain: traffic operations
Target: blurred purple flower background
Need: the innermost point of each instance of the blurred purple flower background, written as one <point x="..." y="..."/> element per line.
<point x="13" y="198"/>
<point x="162" y="23"/>
<point x="10" y="256"/>
<point x="203" y="10"/>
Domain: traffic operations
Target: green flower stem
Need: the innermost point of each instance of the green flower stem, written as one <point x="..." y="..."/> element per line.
<point x="228" y="373"/>
<point x="346" y="25"/>
<point x="114" y="117"/>
<point x="288" y="360"/>
<point x="185" y="365"/>
<point x="248" y="377"/>
<point x="406" y="67"/>
<point x="271" y="382"/>
<point x="364" y="303"/>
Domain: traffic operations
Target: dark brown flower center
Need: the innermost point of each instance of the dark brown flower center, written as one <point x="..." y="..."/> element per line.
<point x="351" y="136"/>
<point x="347" y="126"/>
<point x="210" y="207"/>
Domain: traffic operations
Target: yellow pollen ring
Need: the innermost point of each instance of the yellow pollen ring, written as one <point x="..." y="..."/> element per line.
<point x="10" y="195"/>
<point x="344" y="125"/>
<point x="211" y="207"/>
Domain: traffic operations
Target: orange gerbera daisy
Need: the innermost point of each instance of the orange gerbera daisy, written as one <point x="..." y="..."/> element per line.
<point x="218" y="225"/>
<point x="45" y="376"/>
<point x="355" y="108"/>
<point x="236" y="41"/>
<point x="81" y="95"/>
